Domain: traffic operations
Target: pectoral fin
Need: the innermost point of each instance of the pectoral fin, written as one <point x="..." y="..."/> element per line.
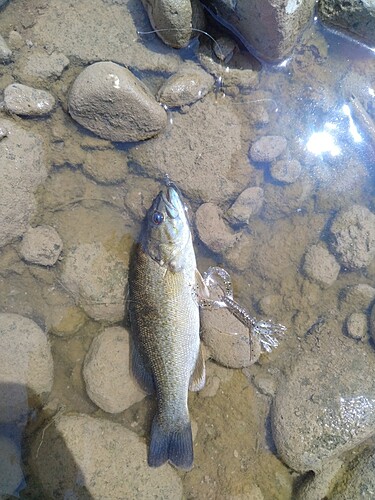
<point x="202" y="289"/>
<point x="139" y="369"/>
<point x="198" y="377"/>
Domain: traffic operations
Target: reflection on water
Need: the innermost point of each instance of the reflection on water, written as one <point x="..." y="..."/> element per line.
<point x="300" y="251"/>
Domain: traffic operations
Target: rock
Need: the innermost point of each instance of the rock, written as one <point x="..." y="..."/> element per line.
<point x="356" y="326"/>
<point x="372" y="322"/>
<point x="106" y="167"/>
<point x="26" y="366"/>
<point x="26" y="101"/>
<point x="354" y="16"/>
<point x="228" y="339"/>
<point x="107" y="374"/>
<point x="353" y="237"/>
<point x="358" y="297"/>
<point x="212" y="229"/>
<point x="320" y="265"/>
<point x="319" y="485"/>
<point x="109" y="100"/>
<point x="41" y="245"/>
<point x="268" y="148"/>
<point x="23" y="169"/>
<point x="186" y="86"/>
<point x="203" y="166"/>
<point x="248" y="203"/>
<point x="65" y="321"/>
<point x="271" y="27"/>
<point x="117" y="467"/>
<point x="174" y="19"/>
<point x="11" y="475"/>
<point x="39" y="66"/>
<point x="286" y="171"/>
<point x="328" y="398"/>
<point x="96" y="278"/>
<point x="5" y="52"/>
<point x="284" y="200"/>
<point x="15" y="40"/>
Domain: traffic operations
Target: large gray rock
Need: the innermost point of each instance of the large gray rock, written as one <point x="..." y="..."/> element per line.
<point x="109" y="100"/>
<point x="353" y="237"/>
<point x="78" y="456"/>
<point x="356" y="17"/>
<point x="106" y="371"/>
<point x="328" y="398"/>
<point x="22" y="169"/>
<point x="26" y="366"/>
<point x="27" y="101"/>
<point x="96" y="277"/>
<point x="270" y="27"/>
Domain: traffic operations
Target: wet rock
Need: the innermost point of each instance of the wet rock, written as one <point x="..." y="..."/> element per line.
<point x="271" y="27"/>
<point x="106" y="167"/>
<point x="213" y="230"/>
<point x="319" y="485"/>
<point x="11" y="475"/>
<point x="38" y="67"/>
<point x="27" y="101"/>
<point x="140" y="195"/>
<point x="109" y="100"/>
<point x="107" y="372"/>
<point x="353" y="237"/>
<point x="281" y="201"/>
<point x="187" y="86"/>
<point x="320" y="265"/>
<point x="204" y="166"/>
<point x="356" y="326"/>
<point x="26" y="366"/>
<point x="286" y="171"/>
<point x="5" y="52"/>
<point x="65" y="320"/>
<point x="41" y="245"/>
<point x="96" y="277"/>
<point x="268" y="148"/>
<point x="117" y="467"/>
<point x="354" y="16"/>
<point x="356" y="298"/>
<point x="248" y="203"/>
<point x="328" y="398"/>
<point x="228" y="339"/>
<point x="23" y="169"/>
<point x="174" y="19"/>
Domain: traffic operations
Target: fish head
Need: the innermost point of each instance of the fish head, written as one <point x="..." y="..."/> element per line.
<point x="166" y="233"/>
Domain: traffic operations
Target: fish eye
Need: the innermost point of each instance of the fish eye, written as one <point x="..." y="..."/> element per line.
<point x="157" y="218"/>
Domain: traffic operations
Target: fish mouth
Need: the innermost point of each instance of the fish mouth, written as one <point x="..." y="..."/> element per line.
<point x="172" y="199"/>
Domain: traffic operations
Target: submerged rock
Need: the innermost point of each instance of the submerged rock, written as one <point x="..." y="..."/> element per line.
<point x="268" y="148"/>
<point x="248" y="203"/>
<point x="106" y="371"/>
<point x="27" y="101"/>
<point x="286" y="171"/>
<point x="320" y="265"/>
<point x="41" y="245"/>
<point x="356" y="326"/>
<point x="39" y="66"/>
<point x="109" y="100"/>
<point x="26" y="366"/>
<point x="353" y="237"/>
<point x="92" y="458"/>
<point x="328" y="398"/>
<point x="213" y="230"/>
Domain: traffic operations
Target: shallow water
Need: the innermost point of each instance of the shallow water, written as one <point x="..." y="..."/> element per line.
<point x="308" y="100"/>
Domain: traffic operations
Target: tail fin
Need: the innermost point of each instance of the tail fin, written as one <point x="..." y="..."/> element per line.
<point x="175" y="446"/>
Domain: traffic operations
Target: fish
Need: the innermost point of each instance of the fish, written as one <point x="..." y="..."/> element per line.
<point x="166" y="355"/>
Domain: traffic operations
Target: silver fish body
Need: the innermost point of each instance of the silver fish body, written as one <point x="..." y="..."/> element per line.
<point x="164" y="317"/>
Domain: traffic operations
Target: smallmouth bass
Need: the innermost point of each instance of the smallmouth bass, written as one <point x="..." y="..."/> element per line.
<point x="164" y="319"/>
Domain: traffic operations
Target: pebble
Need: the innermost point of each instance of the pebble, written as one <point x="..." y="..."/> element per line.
<point x="286" y="171"/>
<point x="213" y="230"/>
<point x="26" y="366"/>
<point x="228" y="339"/>
<point x="106" y="372"/>
<point x="96" y="278"/>
<point x="78" y="456"/>
<point x="248" y="203"/>
<point x="11" y="475"/>
<point x="185" y="87"/>
<point x="328" y="398"/>
<point x="353" y="237"/>
<point x="41" y="245"/>
<point x="5" y="52"/>
<point x="27" y="101"/>
<point x="268" y="148"/>
<point x="320" y="265"/>
<point x="356" y="326"/>
<point x="109" y="100"/>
